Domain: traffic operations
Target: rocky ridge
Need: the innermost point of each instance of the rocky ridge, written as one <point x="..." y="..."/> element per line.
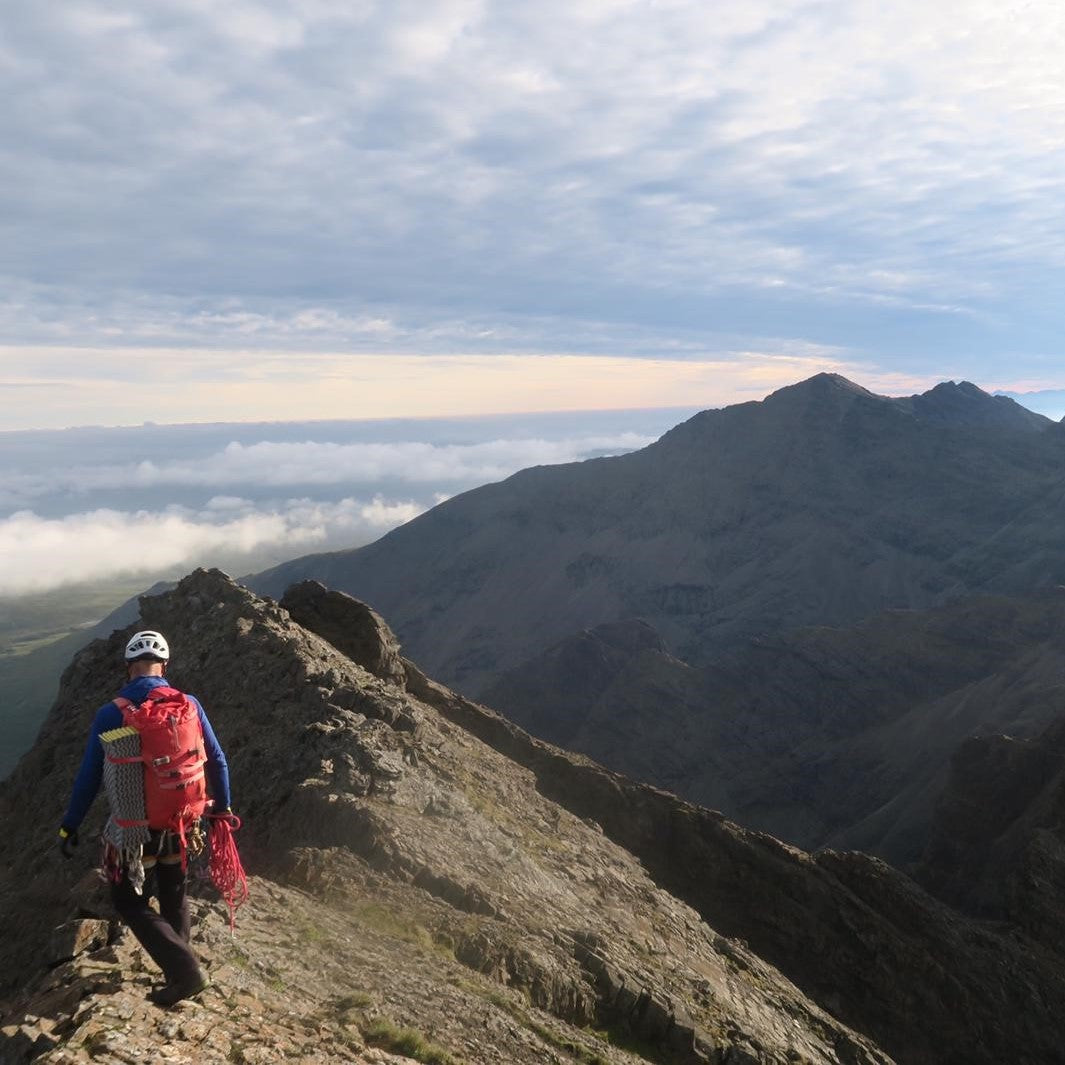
<point x="408" y="876"/>
<point x="300" y="982"/>
<point x="423" y="864"/>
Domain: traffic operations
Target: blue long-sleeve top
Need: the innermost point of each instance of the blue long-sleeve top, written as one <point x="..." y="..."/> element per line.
<point x="87" y="782"/>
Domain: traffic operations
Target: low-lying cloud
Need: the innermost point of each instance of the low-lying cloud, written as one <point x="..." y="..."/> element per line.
<point x="316" y="463"/>
<point x="156" y="500"/>
<point x="39" y="554"/>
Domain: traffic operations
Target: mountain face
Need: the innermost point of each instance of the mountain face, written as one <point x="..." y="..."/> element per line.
<point x="998" y="837"/>
<point x="822" y="504"/>
<point x="821" y="736"/>
<point x="429" y="881"/>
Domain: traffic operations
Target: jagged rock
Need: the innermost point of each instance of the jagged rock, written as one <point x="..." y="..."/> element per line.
<point x="353" y="628"/>
<point x="20" y="1043"/>
<point x="902" y="966"/>
<point x="337" y="791"/>
<point x="77" y="937"/>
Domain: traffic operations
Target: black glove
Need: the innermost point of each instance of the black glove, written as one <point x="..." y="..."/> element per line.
<point x="68" y="840"/>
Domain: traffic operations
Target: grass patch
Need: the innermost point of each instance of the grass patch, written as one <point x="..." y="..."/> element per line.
<point x="237" y="958"/>
<point x="567" y="1046"/>
<point x="357" y="1000"/>
<point x="386" y="1035"/>
<point x="381" y="919"/>
<point x="312" y="933"/>
<point x="553" y="1039"/>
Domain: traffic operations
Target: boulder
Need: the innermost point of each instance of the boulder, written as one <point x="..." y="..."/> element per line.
<point x="352" y="627"/>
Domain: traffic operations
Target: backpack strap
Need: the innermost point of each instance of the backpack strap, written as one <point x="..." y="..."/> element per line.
<point x="152" y="696"/>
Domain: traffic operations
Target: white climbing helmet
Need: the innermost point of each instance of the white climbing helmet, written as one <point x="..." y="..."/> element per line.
<point x="147" y="644"/>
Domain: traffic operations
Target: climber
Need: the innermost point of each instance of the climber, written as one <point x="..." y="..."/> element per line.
<point x="160" y="866"/>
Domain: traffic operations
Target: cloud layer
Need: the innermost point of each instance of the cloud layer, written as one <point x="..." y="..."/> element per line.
<point x="40" y="553"/>
<point x="156" y="500"/>
<point x="485" y="176"/>
<point x="269" y="464"/>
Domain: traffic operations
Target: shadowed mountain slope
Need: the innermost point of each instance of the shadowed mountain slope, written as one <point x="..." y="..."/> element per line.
<point x="820" y="505"/>
<point x="822" y="736"/>
<point x="420" y="861"/>
<point x="998" y="839"/>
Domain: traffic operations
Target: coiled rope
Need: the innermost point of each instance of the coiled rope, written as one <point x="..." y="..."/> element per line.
<point x="224" y="865"/>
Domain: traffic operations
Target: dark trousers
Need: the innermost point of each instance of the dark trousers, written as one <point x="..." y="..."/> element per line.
<point x="164" y="935"/>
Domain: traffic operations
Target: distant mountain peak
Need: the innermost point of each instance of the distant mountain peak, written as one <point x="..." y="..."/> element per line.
<point x="963" y="403"/>
<point x="825" y="379"/>
<point x="966" y="388"/>
<point x="947" y="403"/>
<point x="823" y="384"/>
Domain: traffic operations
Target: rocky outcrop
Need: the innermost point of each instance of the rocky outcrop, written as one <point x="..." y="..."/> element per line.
<point x="352" y="627"/>
<point x="405" y="872"/>
<point x="930" y="985"/>
<point x="998" y="843"/>
<point x="301" y="981"/>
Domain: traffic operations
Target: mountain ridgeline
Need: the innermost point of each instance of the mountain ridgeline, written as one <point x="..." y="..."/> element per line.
<point x="822" y="504"/>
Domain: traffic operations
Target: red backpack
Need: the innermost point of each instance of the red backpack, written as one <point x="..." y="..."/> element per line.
<point x="175" y="787"/>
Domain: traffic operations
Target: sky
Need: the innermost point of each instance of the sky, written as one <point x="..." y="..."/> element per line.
<point x="326" y="209"/>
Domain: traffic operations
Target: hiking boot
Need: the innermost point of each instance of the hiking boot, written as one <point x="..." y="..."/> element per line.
<point x="170" y="994"/>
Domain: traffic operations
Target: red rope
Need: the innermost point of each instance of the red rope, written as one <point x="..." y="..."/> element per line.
<point x="227" y="874"/>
